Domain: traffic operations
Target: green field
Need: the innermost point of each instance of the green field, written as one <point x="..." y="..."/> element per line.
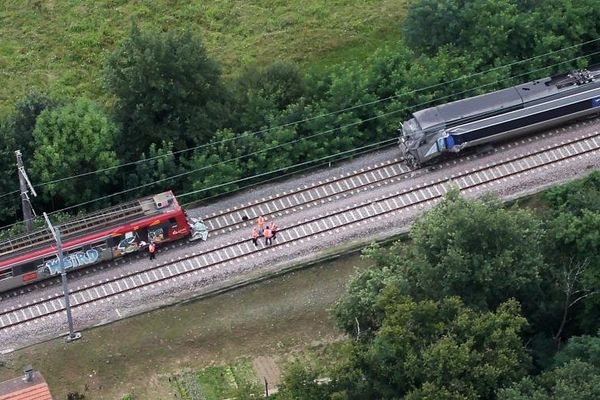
<point x="60" y="45"/>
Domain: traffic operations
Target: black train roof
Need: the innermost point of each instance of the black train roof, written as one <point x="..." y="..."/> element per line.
<point x="497" y="102"/>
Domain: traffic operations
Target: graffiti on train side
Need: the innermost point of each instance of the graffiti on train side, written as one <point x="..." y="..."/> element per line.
<point x="74" y="260"/>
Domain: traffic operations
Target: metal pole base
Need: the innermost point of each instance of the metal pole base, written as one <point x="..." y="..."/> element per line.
<point x="74" y="336"/>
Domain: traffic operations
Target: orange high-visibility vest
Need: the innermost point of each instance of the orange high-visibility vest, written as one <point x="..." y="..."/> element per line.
<point x="267" y="233"/>
<point x="261" y="221"/>
<point x="254" y="233"/>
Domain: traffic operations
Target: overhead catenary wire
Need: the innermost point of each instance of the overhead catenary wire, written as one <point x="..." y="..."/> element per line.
<point x="254" y="133"/>
<point x="350" y="152"/>
<point x="308" y="137"/>
<point x="304" y="163"/>
<point x="316" y="135"/>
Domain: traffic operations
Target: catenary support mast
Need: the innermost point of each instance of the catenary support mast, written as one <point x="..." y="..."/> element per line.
<point x="63" y="274"/>
<point x="24" y="183"/>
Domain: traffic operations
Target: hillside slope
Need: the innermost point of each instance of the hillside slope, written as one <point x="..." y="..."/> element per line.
<point x="60" y="45"/>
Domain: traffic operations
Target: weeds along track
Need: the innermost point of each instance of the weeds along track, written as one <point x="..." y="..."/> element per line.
<point x="195" y="264"/>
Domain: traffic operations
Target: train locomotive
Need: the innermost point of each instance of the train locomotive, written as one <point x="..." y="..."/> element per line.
<point x="450" y="128"/>
<point x="101" y="236"/>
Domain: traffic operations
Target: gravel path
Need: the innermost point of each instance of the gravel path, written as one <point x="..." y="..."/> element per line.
<point x="268" y="260"/>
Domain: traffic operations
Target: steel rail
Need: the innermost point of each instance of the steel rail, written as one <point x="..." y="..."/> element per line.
<point x="364" y="212"/>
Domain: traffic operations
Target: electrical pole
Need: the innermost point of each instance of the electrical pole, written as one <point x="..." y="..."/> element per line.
<point x="25" y="201"/>
<point x="63" y="274"/>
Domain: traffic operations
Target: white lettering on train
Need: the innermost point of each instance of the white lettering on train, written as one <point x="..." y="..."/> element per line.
<point x="73" y="260"/>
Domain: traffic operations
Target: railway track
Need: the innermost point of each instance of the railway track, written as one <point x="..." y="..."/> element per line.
<point x="328" y="190"/>
<point x="216" y="258"/>
<point x="316" y="193"/>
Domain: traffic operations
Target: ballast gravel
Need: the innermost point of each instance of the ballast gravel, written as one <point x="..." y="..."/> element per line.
<point x="267" y="260"/>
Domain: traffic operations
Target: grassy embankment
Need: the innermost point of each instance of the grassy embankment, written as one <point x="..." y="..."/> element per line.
<point x="60" y="45"/>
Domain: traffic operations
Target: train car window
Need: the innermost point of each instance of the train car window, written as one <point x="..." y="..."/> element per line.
<point x="115" y="240"/>
<point x="156" y="234"/>
<point x="172" y="220"/>
<point x="143" y="234"/>
<point x="24" y="268"/>
<point x="5" y="274"/>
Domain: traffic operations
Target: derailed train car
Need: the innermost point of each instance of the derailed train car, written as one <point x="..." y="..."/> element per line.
<point x="96" y="237"/>
<point x="491" y="117"/>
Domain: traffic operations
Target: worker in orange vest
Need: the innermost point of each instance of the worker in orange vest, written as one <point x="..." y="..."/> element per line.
<point x="255" y="236"/>
<point x="261" y="224"/>
<point x="268" y="236"/>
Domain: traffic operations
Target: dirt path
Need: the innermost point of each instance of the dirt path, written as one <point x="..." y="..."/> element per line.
<point x="267" y="371"/>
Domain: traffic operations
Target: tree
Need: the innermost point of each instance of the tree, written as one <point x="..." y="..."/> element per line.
<point x="575" y="197"/>
<point x="9" y="205"/>
<point x="358" y="312"/>
<point x="300" y="382"/>
<point x="431" y="24"/>
<point x="22" y="123"/>
<point x="478" y="250"/>
<point x="152" y="172"/>
<point x="442" y="349"/>
<point x="576" y="380"/>
<point x="499" y="32"/>
<point x="585" y="348"/>
<point x="74" y="139"/>
<point x="575" y="375"/>
<point x="166" y="89"/>
<point x="260" y="93"/>
<point x="573" y="251"/>
<point x="16" y="133"/>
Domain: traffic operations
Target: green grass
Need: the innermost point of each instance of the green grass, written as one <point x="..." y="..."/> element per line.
<point x="224" y="381"/>
<point x="60" y="45"/>
<point x="218" y="382"/>
<point x="321" y="357"/>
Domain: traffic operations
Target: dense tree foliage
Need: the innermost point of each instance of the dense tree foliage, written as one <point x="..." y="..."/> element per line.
<point x="432" y="347"/>
<point x="169" y="97"/>
<point x="261" y="93"/>
<point x="9" y="205"/>
<point x="75" y="138"/>
<point x="476" y="250"/>
<point x="16" y="132"/>
<point x="167" y="89"/>
<point x="575" y="374"/>
<point x="576" y="380"/>
<point x="427" y="349"/>
<point x="160" y="165"/>
<point x="22" y="122"/>
<point x="411" y="341"/>
<point x="500" y="31"/>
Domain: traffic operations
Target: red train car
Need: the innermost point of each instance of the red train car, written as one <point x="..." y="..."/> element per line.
<point x="95" y="238"/>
